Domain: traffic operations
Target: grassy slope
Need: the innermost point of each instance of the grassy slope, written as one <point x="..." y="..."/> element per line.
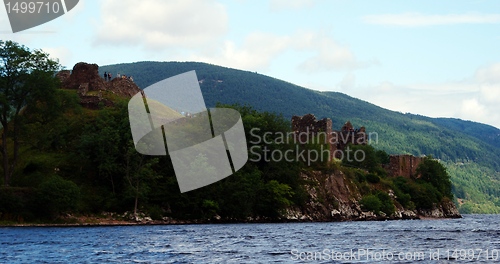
<point x="471" y="151"/>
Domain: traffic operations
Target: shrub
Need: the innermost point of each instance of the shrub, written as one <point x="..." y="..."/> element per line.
<point x="360" y="177"/>
<point x="403" y="198"/>
<point x="210" y="208"/>
<point x="424" y="195"/>
<point x="382" y="157"/>
<point x="364" y="188"/>
<point x="387" y="206"/>
<point x="57" y="195"/>
<point x="16" y="203"/>
<point x="402" y="184"/>
<point x="372" y="178"/>
<point x="155" y="212"/>
<point x="371" y="203"/>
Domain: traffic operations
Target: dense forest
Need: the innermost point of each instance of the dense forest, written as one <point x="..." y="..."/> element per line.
<point x="469" y="150"/>
<point x="67" y="167"/>
<point x="61" y="159"/>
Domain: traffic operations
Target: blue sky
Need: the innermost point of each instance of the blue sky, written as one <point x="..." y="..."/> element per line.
<point x="435" y="58"/>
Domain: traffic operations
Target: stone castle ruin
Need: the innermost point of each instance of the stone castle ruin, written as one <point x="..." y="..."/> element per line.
<point x="90" y="86"/>
<point x="307" y="128"/>
<point x="403" y="165"/>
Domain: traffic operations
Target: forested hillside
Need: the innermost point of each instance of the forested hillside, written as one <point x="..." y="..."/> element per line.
<point x="471" y="151"/>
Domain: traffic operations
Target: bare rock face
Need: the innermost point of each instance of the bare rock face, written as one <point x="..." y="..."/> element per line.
<point x="85" y="79"/>
<point x="446" y="209"/>
<point x="331" y="198"/>
<point x="334" y="197"/>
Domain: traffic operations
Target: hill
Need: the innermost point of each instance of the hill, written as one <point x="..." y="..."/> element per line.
<point x="78" y="165"/>
<point x="470" y="151"/>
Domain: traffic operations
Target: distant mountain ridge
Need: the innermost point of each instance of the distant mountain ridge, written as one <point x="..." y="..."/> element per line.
<point x="452" y="140"/>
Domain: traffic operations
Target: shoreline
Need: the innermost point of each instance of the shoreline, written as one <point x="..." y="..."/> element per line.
<point x="115" y="222"/>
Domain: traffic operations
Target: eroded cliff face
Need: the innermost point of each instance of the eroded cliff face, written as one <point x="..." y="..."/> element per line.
<point x="335" y="197"/>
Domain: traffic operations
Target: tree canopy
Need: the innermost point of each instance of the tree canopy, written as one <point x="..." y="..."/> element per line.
<point x="430" y="170"/>
<point x="26" y="76"/>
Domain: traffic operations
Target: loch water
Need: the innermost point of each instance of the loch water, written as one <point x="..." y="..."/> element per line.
<point x="472" y="239"/>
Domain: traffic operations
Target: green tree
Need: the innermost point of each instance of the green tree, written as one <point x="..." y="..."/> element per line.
<point x="51" y="120"/>
<point x="275" y="197"/>
<point x="362" y="156"/>
<point x="101" y="143"/>
<point x="387" y="206"/>
<point x="25" y="76"/>
<point x="430" y="170"/>
<point x="424" y="195"/>
<point x="139" y="174"/>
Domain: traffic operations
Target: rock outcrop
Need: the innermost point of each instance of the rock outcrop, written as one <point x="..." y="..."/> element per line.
<point x="91" y="87"/>
<point x="334" y="197"/>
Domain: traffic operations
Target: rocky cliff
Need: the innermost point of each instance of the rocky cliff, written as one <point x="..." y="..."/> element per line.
<point x="333" y="196"/>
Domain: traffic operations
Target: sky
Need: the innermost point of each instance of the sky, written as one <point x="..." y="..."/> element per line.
<point x="433" y="58"/>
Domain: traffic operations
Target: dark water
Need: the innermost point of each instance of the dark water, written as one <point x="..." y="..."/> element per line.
<point x="473" y="239"/>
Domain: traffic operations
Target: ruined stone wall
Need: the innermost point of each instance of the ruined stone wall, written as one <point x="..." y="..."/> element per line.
<point x="63" y="75"/>
<point x="308" y="123"/>
<point x="349" y="135"/>
<point x="306" y="127"/>
<point x="403" y="165"/>
<point x="85" y="73"/>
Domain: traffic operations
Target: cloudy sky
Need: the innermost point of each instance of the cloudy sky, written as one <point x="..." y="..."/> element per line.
<point x="435" y="58"/>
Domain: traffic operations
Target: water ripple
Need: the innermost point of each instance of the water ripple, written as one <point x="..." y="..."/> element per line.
<point x="346" y="242"/>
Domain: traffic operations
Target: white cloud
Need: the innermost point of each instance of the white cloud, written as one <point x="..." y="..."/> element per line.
<point x="476" y="98"/>
<point x="418" y="19"/>
<point x="472" y="109"/>
<point x="4" y="21"/>
<point x="485" y="106"/>
<point x="329" y="55"/>
<point x="196" y="30"/>
<point x="489" y="74"/>
<point x="258" y="50"/>
<point x="255" y="53"/>
<point x="347" y="83"/>
<point x="429" y="100"/>
<point x="62" y="53"/>
<point x="159" y="24"/>
<point x="490" y="92"/>
<point x="279" y="5"/>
